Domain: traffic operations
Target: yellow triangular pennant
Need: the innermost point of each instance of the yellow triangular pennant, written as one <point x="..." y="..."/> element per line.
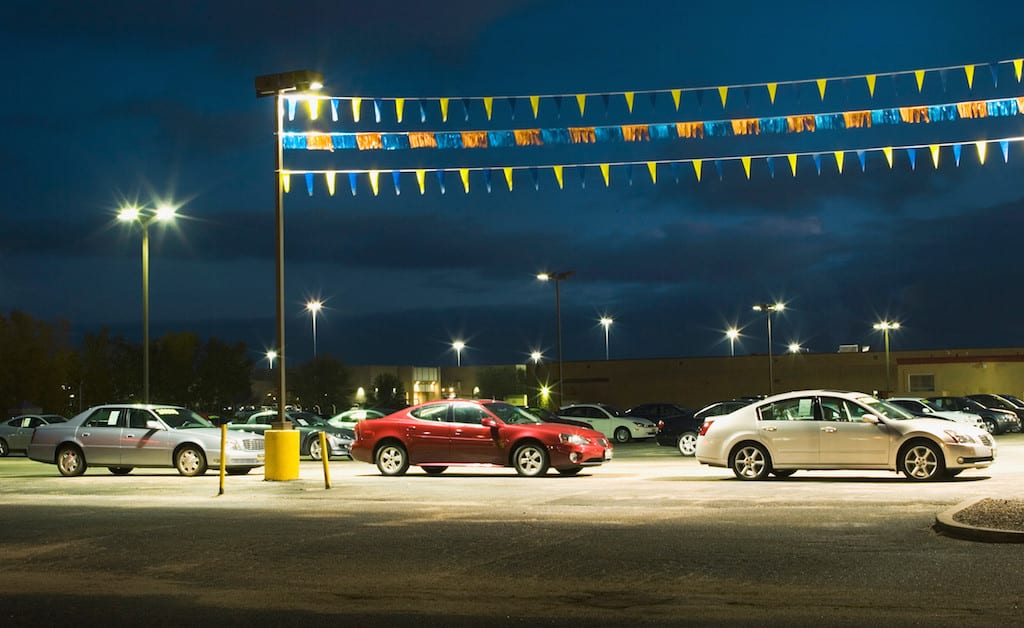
<point x="356" y="103"/>
<point x="374" y="180"/>
<point x="746" y="165"/>
<point x="605" y="172"/>
<point x="821" y="88"/>
<point x="981" y="151"/>
<point x="969" y="70"/>
<point x="772" y="87"/>
<point x="558" y="176"/>
<point x="792" y="163"/>
<point x="314" y="108"/>
<point x="723" y="93"/>
<point x="444" y="109"/>
<point x="677" y="93"/>
<point x="887" y="151"/>
<point x="581" y="100"/>
<point x="934" y="148"/>
<point x="535" y="103"/>
<point x="1018" y="64"/>
<point x="286" y="182"/>
<point x="464" y="173"/>
<point x="629" y="101"/>
<point x="508" y="178"/>
<point x="329" y="176"/>
<point x="652" y="167"/>
<point x="488" y="106"/>
<point x="421" y="179"/>
<point x="399" y="108"/>
<point x="839" y="160"/>
<point x="871" y="84"/>
<point x="697" y="167"/>
<point x="919" y="74"/>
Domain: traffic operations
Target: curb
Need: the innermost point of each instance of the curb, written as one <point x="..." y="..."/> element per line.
<point x="945" y="523"/>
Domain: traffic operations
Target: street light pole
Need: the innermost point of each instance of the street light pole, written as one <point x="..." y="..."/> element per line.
<point x="885" y="326"/>
<point x="606" y="322"/>
<point x="768" y="308"/>
<point x="558" y="277"/>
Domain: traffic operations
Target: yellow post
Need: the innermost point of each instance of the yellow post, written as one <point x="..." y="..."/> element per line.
<point x="223" y="455"/>
<point x="282" y="455"/>
<point x="325" y="455"/>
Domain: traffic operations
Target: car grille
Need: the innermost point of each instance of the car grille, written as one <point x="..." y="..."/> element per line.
<point x="986" y="440"/>
<point x="253" y="444"/>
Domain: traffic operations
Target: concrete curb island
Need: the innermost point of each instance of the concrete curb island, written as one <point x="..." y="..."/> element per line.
<point x="984" y="519"/>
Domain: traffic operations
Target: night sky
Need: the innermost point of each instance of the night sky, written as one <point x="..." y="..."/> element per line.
<point x="126" y="102"/>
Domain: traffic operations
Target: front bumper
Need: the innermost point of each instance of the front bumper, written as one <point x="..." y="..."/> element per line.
<point x="970" y="455"/>
<point x="565" y="455"/>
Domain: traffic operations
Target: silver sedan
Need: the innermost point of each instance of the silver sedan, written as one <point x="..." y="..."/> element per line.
<point x="122" y="437"/>
<point x="16" y="433"/>
<point x="827" y="429"/>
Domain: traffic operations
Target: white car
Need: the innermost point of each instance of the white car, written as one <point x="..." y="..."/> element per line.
<point x="610" y="421"/>
<point x="921" y="406"/>
<point x="828" y="429"/>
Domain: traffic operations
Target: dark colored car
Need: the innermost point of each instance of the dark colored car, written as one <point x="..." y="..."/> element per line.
<point x="16" y="433"/>
<point x="997" y="421"/>
<point x="998" y="402"/>
<point x="680" y="431"/>
<point x="550" y="417"/>
<point x="309" y="426"/>
<point x="656" y="411"/>
<point x="439" y="434"/>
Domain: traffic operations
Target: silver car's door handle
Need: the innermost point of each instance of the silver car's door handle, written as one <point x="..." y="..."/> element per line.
<point x="829" y="429"/>
<point x="770" y="428"/>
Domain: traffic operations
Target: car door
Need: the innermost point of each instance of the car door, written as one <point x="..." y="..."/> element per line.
<point x="847" y="440"/>
<point x="472" y="442"/>
<point x="145" y="446"/>
<point x="791" y="430"/>
<point x="100" y="436"/>
<point x="21" y="432"/>
<point x="428" y="435"/>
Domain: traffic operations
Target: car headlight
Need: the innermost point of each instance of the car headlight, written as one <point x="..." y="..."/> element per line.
<point x="641" y="425"/>
<point x="573" y="439"/>
<point x="236" y="445"/>
<point x="957" y="437"/>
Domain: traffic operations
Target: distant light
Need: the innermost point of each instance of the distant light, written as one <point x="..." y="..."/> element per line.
<point x="606" y="321"/>
<point x="769" y="307"/>
<point x="314" y="306"/>
<point x="732" y="333"/>
<point x="165" y="212"/>
<point x="458" y="345"/>
<point x="886" y="325"/>
<point x="536" y="356"/>
<point x="128" y="214"/>
<point x="795" y="347"/>
<point x="543" y="276"/>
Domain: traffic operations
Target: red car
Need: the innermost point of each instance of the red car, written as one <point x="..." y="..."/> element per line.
<point x="440" y="434"/>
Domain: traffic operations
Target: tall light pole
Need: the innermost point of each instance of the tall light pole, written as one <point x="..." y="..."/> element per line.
<point x="606" y="322"/>
<point x="163" y="213"/>
<point x="458" y="345"/>
<point x="314" y="307"/>
<point x="732" y="334"/>
<point x="277" y="85"/>
<point x="768" y="308"/>
<point x="885" y="327"/>
<point x="558" y="277"/>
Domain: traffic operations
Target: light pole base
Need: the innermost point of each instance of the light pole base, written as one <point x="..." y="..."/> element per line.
<point x="282" y="455"/>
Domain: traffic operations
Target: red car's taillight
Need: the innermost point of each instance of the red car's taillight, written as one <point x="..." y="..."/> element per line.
<point x="705" y="426"/>
<point x="661" y="425"/>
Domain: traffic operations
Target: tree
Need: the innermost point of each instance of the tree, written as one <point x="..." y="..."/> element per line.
<point x="499" y="382"/>
<point x="35" y="364"/>
<point x="222" y="376"/>
<point x="322" y="382"/>
<point x="388" y="392"/>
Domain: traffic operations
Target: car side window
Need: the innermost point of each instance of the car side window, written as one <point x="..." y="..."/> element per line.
<point x="571" y="412"/>
<point x="432" y="412"/>
<point x="137" y="419"/>
<point x="468" y="413"/>
<point x="594" y="413"/>
<point x="798" y="409"/>
<point x="104" y="417"/>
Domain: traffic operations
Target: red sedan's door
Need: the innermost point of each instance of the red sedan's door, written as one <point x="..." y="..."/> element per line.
<point x="471" y="441"/>
<point x="428" y="434"/>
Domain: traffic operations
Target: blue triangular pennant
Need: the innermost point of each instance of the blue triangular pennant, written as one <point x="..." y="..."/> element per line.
<point x="376" y="110"/>
<point x="352" y="182"/>
<point x="487" y="179"/>
<point x="440" y="180"/>
<point x="397" y="182"/>
<point x="309" y="183"/>
<point x="334" y="109"/>
<point x="771" y="166"/>
<point x="956" y="154"/>
<point x="1005" y="145"/>
<point x="861" y="157"/>
<point x="912" y="154"/>
<point x="817" y="162"/>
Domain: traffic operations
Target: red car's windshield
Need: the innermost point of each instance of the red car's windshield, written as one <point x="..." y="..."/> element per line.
<point x="510" y="413"/>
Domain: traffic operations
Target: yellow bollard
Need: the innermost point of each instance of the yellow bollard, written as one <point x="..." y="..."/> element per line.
<point x="282" y="455"/>
<point x="223" y="455"/>
<point x="325" y="455"/>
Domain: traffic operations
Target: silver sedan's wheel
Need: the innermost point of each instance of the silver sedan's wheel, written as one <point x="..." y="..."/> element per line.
<point x="315" y="451"/>
<point x="190" y="461"/>
<point x="70" y="461"/>
<point x="392" y="459"/>
<point x="750" y="462"/>
<point x="530" y="460"/>
<point x="687" y="444"/>
<point x="622" y="435"/>
<point x="922" y="462"/>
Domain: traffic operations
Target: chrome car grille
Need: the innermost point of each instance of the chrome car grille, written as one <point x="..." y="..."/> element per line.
<point x="252" y="444"/>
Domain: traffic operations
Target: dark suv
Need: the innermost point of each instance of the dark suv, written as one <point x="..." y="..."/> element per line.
<point x="680" y="431"/>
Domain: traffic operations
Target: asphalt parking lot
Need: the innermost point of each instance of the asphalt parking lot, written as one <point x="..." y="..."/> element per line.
<point x="649" y="539"/>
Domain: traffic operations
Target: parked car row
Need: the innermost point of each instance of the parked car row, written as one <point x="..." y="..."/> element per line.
<point x="309" y="426"/>
<point x="16" y="432"/>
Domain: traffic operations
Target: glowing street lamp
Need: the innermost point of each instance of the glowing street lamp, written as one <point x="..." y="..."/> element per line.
<point x="732" y="334"/>
<point x="885" y="327"/>
<point x="606" y="322"/>
<point x="144" y="217"/>
<point x="557" y="277"/>
<point x="536" y="356"/>
<point x="458" y="345"/>
<point x="314" y="307"/>
<point x="271" y="356"/>
<point x="794" y="347"/>
<point x="768" y="308"/>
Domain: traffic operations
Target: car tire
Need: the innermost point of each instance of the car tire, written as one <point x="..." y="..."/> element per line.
<point x="687" y="444"/>
<point x="530" y="460"/>
<point x="4" y="449"/>
<point x="392" y="459"/>
<point x="190" y="461"/>
<point x="237" y="470"/>
<point x="991" y="426"/>
<point x="783" y="473"/>
<point x="569" y="470"/>
<point x="922" y="461"/>
<point x="434" y="470"/>
<point x="750" y="461"/>
<point x="71" y="461"/>
<point x="315" y="451"/>
<point x="622" y="435"/>
<point x="120" y="470"/>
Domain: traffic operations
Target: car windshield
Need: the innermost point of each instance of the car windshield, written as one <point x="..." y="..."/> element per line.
<point x="1014" y="400"/>
<point x="511" y="414"/>
<point x="995" y="402"/>
<point x="931" y="405"/>
<point x="886" y="409"/>
<point x="181" y="418"/>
